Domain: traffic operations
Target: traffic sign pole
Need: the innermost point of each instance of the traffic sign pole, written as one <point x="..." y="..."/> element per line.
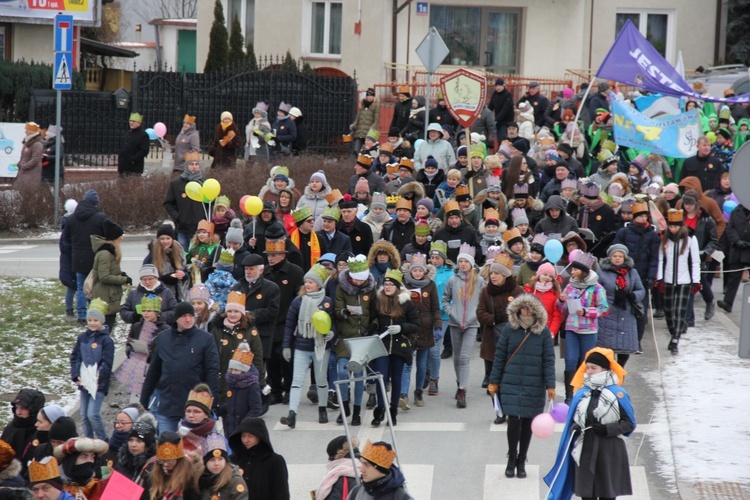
<point x="62" y="79"/>
<point x="431" y="51"/>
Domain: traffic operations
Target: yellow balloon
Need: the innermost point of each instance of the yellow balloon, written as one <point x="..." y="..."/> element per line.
<point x="211" y="189"/>
<point x="194" y="191"/>
<point x="254" y="206"/>
<point x="321" y="321"/>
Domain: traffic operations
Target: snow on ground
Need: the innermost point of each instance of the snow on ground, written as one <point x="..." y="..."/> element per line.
<point x="707" y="392"/>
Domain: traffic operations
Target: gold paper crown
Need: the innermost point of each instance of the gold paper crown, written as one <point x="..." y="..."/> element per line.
<point x="392" y="199"/>
<point x="278" y="246"/>
<point x="364" y="160"/>
<point x="673" y="216"/>
<point x="227" y="256"/>
<point x="332" y="213"/>
<point x="386" y="149"/>
<point x="192" y="156"/>
<point x="504" y="260"/>
<point x="42" y="471"/>
<point x="206" y="226"/>
<point x="640" y="207"/>
<point x="334" y="196"/>
<point x="403" y="203"/>
<point x="223" y="201"/>
<point x="391" y="168"/>
<point x="188" y="119"/>
<point x="170" y="451"/>
<point x="243" y="354"/>
<point x="404" y="89"/>
<point x="302" y="213"/>
<point x="462" y="190"/>
<point x="378" y="455"/>
<point x="234" y="298"/>
<point x="151" y="303"/>
<point x="319" y="271"/>
<point x="511" y="234"/>
<point x="491" y="213"/>
<point x="407" y="163"/>
<point x="452" y="206"/>
<point x="201" y="398"/>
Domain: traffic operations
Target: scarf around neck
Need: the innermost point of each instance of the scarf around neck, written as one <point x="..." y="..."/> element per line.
<point x="607" y="411"/>
<point x="309" y="305"/>
<point x="591" y="280"/>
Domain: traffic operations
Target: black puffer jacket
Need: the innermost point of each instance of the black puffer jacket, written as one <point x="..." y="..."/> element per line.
<point x="86" y="221"/>
<point x="465" y="233"/>
<point x="134" y="150"/>
<point x="20" y="432"/>
<point x="186" y="213"/>
<point x="262" y="301"/>
<point x="264" y="471"/>
<point x="168" y="303"/>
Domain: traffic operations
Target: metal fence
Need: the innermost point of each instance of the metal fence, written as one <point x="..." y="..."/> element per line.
<point x="94" y="128"/>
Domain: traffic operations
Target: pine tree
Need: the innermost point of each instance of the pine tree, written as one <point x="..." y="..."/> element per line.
<point x="252" y="61"/>
<point x="738" y="36"/>
<point x="236" y="46"/>
<point x="218" y="45"/>
<point x="289" y="63"/>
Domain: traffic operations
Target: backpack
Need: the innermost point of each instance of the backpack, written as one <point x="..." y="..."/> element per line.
<point x="88" y="285"/>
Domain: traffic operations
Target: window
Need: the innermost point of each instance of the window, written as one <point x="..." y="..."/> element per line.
<point x="655" y="25"/>
<point x="245" y="12"/>
<point x="4" y="42"/>
<point x="477" y="36"/>
<point x="325" y="28"/>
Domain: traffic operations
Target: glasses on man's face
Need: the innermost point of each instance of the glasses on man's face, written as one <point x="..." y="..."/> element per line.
<point x="120" y="423"/>
<point x="310" y="221"/>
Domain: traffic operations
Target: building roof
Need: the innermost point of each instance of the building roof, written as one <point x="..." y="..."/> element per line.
<point x="186" y="23"/>
<point x="103" y="49"/>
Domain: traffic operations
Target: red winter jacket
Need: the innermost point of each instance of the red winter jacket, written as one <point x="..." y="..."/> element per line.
<point x="548" y="299"/>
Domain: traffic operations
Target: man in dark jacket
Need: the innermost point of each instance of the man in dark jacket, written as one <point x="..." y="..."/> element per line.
<point x="594" y="214"/>
<point x="400" y="230"/>
<point x="642" y="241"/>
<point x="21" y="431"/>
<point x="183" y="357"/>
<point x="705" y="167"/>
<point x="485" y="125"/>
<point x="363" y="169"/>
<point x="86" y="221"/>
<point x="537" y="100"/>
<point x="134" y="149"/>
<point x="336" y="241"/>
<point x="402" y="109"/>
<point x="263" y="470"/>
<point x="289" y="279"/>
<point x="440" y="114"/>
<point x="599" y="100"/>
<point x="185" y="212"/>
<point x="555" y="221"/>
<point x="359" y="232"/>
<point x="501" y="103"/>
<point x="262" y="301"/>
<point x="456" y="231"/>
<point x="738" y="238"/>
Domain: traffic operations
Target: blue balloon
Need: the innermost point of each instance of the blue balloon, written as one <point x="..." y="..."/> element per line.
<point x="417" y="144"/>
<point x="729" y="205"/>
<point x="553" y="250"/>
<point x="151" y="134"/>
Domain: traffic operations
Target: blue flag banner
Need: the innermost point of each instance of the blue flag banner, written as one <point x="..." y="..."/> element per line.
<point x="675" y="136"/>
<point x="632" y="60"/>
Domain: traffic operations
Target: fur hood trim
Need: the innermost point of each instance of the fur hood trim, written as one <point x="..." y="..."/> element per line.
<point x="350" y="289"/>
<point x="573" y="236"/>
<point x="270" y="187"/>
<point x="412" y="188"/>
<point x="11" y="471"/>
<point x="404" y="295"/>
<point x="384" y="246"/>
<point x="321" y="195"/>
<point x="606" y="264"/>
<point x="532" y="304"/>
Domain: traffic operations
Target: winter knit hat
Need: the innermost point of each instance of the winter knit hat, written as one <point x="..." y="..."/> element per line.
<point x="234" y="233"/>
<point x="112" y="230"/>
<point x="672" y="188"/>
<point x="439" y="248"/>
<point x="618" y="247"/>
<point x="427" y="203"/>
<point x="166" y="230"/>
<point x="242" y="358"/>
<point x="225" y="115"/>
<point x="318" y="274"/>
<point x="182" y="309"/>
<point x="63" y="429"/>
<point x="147" y="270"/>
<point x="378" y="200"/>
<point x="358" y="268"/>
<point x="319" y="175"/>
<point x="97" y="309"/>
<point x="70" y="206"/>
<point x="431" y="162"/>
<point x="362" y="186"/>
<point x="53" y="412"/>
<point x="546" y="268"/>
<point x="132" y="413"/>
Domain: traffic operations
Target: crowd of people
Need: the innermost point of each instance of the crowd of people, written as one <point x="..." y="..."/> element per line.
<point x="434" y="245"/>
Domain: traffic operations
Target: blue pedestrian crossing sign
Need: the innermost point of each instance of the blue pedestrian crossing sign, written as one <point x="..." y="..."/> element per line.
<point x="62" y="73"/>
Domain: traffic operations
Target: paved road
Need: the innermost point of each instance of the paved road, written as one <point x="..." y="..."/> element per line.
<point x="449" y="453"/>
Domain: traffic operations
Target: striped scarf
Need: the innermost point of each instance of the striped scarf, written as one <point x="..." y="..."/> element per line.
<point x="606" y="412"/>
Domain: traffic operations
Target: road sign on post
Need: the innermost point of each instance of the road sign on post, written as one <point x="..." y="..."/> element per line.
<point x="62" y="79"/>
<point x="63" y="33"/>
<point x="432" y="51"/>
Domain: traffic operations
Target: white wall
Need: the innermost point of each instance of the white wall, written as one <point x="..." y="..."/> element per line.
<point x="33" y="42"/>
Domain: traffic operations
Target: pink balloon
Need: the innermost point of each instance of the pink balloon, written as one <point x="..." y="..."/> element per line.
<point x="573" y="254"/>
<point x="160" y="129"/>
<point x="560" y="412"/>
<point x="543" y="425"/>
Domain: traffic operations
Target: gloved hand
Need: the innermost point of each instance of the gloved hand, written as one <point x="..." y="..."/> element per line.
<point x="221" y="411"/>
<point x="198" y="264"/>
<point x="393" y="329"/>
<point x="631" y="297"/>
<point x="438" y="334"/>
<point x="128" y="350"/>
<point x="287" y="354"/>
<point x="345" y="313"/>
<point x="659" y="285"/>
<point x="492" y="389"/>
<point x="551" y="393"/>
<point x="328" y="337"/>
<point x="649" y="284"/>
<point x="697" y="287"/>
<point x="599" y="429"/>
<point x="128" y="280"/>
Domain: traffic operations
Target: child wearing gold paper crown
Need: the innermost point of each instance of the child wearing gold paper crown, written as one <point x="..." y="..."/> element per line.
<point x="91" y="367"/>
<point x="243" y="396"/>
<point x="230" y="329"/>
<point x="202" y="252"/>
<point x="221" y="217"/>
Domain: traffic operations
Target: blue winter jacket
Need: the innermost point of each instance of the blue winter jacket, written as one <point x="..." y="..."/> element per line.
<point x="290" y="327"/>
<point x="94" y="348"/>
<point x="643" y="248"/>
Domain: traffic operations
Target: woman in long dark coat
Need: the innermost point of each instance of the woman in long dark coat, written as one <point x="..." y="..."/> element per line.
<point x="619" y="329"/>
<point x="226" y="142"/>
<point x="524" y="374"/>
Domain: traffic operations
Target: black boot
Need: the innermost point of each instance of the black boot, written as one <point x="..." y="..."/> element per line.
<point x="394" y="415"/>
<point x="500" y="420"/>
<point x="333" y="402"/>
<point x="322" y="415"/>
<point x="377" y="416"/>
<point x="356" y="418"/>
<point x="659" y="313"/>
<point x="710" y="310"/>
<point x="521" y="467"/>
<point x="568" y="388"/>
<point x="673" y="346"/>
<point x="347" y="412"/>
<point x="372" y="400"/>
<point x="447" y="353"/>
<point x="725" y="305"/>
<point x="510" y="469"/>
<point x="290" y="420"/>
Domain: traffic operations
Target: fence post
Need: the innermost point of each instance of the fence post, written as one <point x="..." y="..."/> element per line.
<point x="134" y="91"/>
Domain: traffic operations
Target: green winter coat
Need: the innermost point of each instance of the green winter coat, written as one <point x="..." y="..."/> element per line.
<point x="235" y="489"/>
<point x="353" y="325"/>
<point x="367" y="118"/>
<point x="108" y="277"/>
<point x="226" y="342"/>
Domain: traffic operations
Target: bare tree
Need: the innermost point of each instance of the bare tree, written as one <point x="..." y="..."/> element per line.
<point x="166" y="9"/>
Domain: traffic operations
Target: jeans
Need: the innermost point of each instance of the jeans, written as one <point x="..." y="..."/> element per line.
<point x="391" y="367"/>
<point x="433" y="358"/>
<point x="70" y="294"/>
<point x="333" y="372"/>
<point x="183" y="237"/>
<point x="422" y="355"/>
<point x="91" y="417"/>
<point x="359" y="387"/>
<point x="82" y="302"/>
<point x="167" y="423"/>
<point x="301" y="362"/>
<point x="463" y="345"/>
<point x="576" y="347"/>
